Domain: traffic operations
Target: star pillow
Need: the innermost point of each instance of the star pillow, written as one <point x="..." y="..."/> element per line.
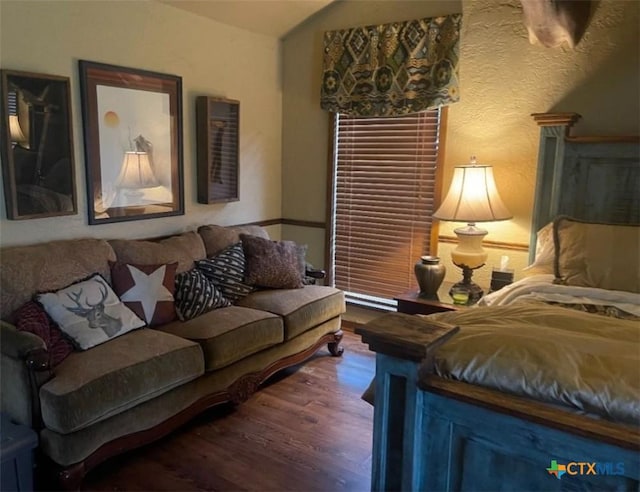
<point x="147" y="290"/>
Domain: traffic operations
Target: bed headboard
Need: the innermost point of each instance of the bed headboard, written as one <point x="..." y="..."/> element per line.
<point x="595" y="179"/>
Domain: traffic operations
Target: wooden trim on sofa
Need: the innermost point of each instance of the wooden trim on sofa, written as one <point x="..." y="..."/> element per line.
<point x="70" y="477"/>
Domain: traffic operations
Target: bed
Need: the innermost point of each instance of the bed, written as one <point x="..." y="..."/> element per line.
<point x="538" y="388"/>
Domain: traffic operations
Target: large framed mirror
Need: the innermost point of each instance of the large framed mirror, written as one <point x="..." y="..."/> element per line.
<point x="37" y="145"/>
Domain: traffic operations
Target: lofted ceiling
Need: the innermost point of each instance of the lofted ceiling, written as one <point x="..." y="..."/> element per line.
<point x="271" y="17"/>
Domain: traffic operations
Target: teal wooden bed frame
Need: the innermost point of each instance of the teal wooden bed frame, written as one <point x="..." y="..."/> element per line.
<point x="433" y="434"/>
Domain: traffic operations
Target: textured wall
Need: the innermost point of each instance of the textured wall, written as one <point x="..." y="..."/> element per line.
<point x="212" y="59"/>
<point x="503" y="80"/>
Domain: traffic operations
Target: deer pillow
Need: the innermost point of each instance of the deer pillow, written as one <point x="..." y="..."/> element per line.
<point x="89" y="312"/>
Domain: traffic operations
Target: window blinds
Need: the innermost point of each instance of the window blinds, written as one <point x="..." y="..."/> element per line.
<point x="385" y="194"/>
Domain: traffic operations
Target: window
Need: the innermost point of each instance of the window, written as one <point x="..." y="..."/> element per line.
<point x="385" y="189"/>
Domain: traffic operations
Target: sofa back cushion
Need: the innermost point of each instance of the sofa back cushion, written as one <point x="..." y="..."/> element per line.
<point x="27" y="270"/>
<point x="217" y="238"/>
<point x="185" y="249"/>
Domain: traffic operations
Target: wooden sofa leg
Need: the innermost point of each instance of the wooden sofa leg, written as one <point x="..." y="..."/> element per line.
<point x="52" y="476"/>
<point x="334" y="347"/>
<point x="70" y="478"/>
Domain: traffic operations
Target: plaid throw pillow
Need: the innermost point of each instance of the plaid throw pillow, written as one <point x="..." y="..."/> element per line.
<point x="195" y="295"/>
<point x="226" y="270"/>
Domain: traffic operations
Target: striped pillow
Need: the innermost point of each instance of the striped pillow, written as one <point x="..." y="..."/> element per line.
<point x="195" y="295"/>
<point x="226" y="270"/>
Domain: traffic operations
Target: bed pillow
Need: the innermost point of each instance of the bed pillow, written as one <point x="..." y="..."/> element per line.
<point x="597" y="255"/>
<point x="195" y="295"/>
<point x="544" y="260"/>
<point x="147" y="290"/>
<point x="226" y="270"/>
<point x="89" y="312"/>
<point x="272" y="264"/>
<point x="32" y="317"/>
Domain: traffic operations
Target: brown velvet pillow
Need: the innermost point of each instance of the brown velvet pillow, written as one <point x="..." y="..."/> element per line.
<point x="272" y="264"/>
<point x="147" y="290"/>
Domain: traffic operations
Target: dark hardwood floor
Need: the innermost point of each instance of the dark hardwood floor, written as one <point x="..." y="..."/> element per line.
<point x="306" y="430"/>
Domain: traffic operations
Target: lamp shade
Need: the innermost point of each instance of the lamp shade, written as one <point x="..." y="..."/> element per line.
<point x="472" y="197"/>
<point x="14" y="129"/>
<point x="136" y="172"/>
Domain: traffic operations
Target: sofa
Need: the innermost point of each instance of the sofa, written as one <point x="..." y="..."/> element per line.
<point x="137" y="387"/>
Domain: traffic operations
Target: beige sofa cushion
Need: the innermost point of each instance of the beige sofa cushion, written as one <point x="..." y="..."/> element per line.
<point x="93" y="385"/>
<point x="302" y="309"/>
<point x="216" y="238"/>
<point x="27" y="270"/>
<point x="230" y="334"/>
<point x="185" y="249"/>
<point x="597" y="255"/>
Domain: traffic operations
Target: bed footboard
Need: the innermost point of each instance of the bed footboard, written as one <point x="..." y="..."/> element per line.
<point x="435" y="434"/>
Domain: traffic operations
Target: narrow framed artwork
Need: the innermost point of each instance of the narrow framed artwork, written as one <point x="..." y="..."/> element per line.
<point x="218" y="128"/>
<point x="133" y="142"/>
<point x="37" y="145"/>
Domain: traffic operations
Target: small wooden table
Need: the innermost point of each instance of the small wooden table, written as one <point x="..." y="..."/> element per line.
<point x="411" y="303"/>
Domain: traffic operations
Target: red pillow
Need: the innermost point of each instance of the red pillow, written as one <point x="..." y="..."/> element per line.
<point x="32" y="317"/>
<point x="147" y="290"/>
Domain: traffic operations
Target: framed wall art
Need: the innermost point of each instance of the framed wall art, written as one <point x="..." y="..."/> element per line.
<point x="218" y="127"/>
<point x="133" y="142"/>
<point x="37" y="145"/>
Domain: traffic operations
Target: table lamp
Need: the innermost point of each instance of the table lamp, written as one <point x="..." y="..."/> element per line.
<point x="136" y="174"/>
<point x="15" y="131"/>
<point x="472" y="197"/>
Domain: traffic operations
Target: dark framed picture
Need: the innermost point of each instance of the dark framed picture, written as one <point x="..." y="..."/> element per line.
<point x="133" y="143"/>
<point x="217" y="134"/>
<point x="37" y="145"/>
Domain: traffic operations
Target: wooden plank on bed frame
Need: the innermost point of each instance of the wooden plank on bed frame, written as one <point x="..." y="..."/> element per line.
<point x="436" y="434"/>
<point x="594" y="179"/>
<point x="469" y="447"/>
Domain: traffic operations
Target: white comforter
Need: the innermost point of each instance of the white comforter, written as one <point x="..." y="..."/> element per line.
<point x="542" y="288"/>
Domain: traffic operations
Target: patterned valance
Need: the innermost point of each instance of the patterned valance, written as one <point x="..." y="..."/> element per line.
<point x="392" y="69"/>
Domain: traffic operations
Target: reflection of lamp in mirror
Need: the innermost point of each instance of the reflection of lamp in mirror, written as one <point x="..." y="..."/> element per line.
<point x="15" y="131"/>
<point x="136" y="174"/>
<point x="472" y="197"/>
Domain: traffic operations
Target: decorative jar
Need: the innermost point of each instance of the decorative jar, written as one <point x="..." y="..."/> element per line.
<point x="430" y="274"/>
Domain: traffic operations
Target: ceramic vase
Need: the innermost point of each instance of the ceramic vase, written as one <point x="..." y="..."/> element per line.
<point x="430" y="274"/>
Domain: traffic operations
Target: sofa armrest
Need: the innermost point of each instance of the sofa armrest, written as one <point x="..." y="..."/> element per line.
<point x="19" y="344"/>
<point x="24" y="367"/>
